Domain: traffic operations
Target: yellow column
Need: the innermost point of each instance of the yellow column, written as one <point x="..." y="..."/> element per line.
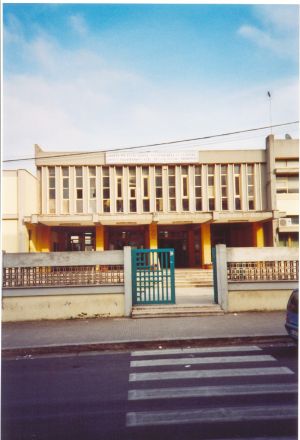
<point x="153" y="236"/>
<point x="100" y="238"/>
<point x="205" y="244"/>
<point x="43" y="238"/>
<point x="32" y="232"/>
<point x="258" y="235"/>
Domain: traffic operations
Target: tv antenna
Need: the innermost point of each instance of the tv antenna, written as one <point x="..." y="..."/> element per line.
<point x="270" y="108"/>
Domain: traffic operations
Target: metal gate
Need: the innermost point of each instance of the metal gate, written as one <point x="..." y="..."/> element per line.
<point x="153" y="276"/>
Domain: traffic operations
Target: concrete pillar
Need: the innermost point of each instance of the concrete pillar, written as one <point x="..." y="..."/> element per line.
<point x="258" y="235"/>
<point x="127" y="281"/>
<point x="153" y="236"/>
<point x="43" y="238"/>
<point x="222" y="282"/>
<point x="99" y="238"/>
<point x="205" y="244"/>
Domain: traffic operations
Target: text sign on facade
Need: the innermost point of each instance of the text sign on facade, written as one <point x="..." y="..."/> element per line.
<point x="152" y="157"/>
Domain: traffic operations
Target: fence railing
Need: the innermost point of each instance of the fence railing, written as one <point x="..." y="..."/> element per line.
<point x="263" y="271"/>
<point x="60" y="269"/>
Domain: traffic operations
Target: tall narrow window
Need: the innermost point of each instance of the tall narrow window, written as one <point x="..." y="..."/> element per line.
<point x="145" y="189"/>
<point x="158" y="189"/>
<point x="92" y="189"/>
<point x="250" y="184"/>
<point x="105" y="189"/>
<point x="185" y="188"/>
<point x="211" y="187"/>
<point x="79" y="189"/>
<point x="172" y="189"/>
<point x="119" y="189"/>
<point x="132" y="189"/>
<point x="66" y="190"/>
<point x="224" y="187"/>
<point x="237" y="187"/>
<point x="51" y="171"/>
<point x="198" y="188"/>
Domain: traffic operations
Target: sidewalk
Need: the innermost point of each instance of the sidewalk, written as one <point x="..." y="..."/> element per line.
<point x="125" y="333"/>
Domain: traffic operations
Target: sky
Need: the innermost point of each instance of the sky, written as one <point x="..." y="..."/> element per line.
<point x="99" y="76"/>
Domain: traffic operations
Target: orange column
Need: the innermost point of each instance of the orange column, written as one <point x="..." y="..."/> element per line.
<point x="100" y="238"/>
<point x="153" y="237"/>
<point x="205" y="245"/>
<point x="258" y="235"/>
<point x="43" y="238"/>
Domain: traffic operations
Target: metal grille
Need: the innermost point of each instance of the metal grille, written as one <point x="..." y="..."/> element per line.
<point x="263" y="271"/>
<point x="153" y="276"/>
<point x="56" y="276"/>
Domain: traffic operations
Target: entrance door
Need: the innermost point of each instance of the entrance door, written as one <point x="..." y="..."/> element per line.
<point x="178" y="240"/>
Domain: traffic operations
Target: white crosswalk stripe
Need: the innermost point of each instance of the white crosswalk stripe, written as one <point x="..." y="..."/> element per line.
<point x="209" y="391"/>
<point x="202" y="360"/>
<point x="228" y="414"/>
<point x="168" y="351"/>
<point x="202" y="368"/>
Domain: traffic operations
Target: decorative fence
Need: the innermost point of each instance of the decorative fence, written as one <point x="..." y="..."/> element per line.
<point x="263" y="271"/>
<point x="60" y="269"/>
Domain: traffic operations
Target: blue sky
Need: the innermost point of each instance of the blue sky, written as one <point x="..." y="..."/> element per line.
<point x="80" y="76"/>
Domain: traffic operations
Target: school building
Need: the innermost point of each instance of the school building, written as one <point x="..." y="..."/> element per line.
<point x="186" y="200"/>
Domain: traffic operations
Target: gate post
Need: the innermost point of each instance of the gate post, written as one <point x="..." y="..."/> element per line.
<point x="127" y="281"/>
<point x="222" y="282"/>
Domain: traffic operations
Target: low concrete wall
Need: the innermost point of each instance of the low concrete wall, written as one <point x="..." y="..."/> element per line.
<point x="67" y="302"/>
<point x="64" y="304"/>
<point x="242" y="296"/>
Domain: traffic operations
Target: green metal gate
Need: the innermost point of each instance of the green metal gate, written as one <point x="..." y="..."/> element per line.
<point x="153" y="276"/>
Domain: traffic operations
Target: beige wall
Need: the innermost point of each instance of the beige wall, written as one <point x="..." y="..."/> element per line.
<point x="288" y="203"/>
<point x="258" y="300"/>
<point x="62" y="307"/>
<point x="19" y="198"/>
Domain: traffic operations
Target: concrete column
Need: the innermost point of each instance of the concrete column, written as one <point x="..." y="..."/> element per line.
<point x="205" y="244"/>
<point x="222" y="282"/>
<point x="153" y="236"/>
<point x="100" y="238"/>
<point x="127" y="281"/>
<point x="43" y="238"/>
<point x="258" y="235"/>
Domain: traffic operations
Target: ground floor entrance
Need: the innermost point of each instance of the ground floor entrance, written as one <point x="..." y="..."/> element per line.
<point x="192" y="243"/>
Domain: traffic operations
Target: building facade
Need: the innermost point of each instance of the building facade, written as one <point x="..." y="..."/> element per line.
<point x="189" y="201"/>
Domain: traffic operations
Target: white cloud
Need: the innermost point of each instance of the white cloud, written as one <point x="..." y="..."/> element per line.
<point x="278" y="31"/>
<point x="78" y="24"/>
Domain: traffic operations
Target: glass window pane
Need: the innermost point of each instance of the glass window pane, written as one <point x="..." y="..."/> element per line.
<point x="198" y="180"/>
<point x="79" y="193"/>
<point x="146" y="206"/>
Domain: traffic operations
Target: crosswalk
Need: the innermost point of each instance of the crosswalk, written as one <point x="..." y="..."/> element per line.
<point x="209" y="385"/>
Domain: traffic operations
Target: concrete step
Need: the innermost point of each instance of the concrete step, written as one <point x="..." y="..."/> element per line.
<point x="160" y="311"/>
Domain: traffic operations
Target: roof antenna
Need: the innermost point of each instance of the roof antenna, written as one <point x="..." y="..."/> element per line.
<point x="270" y="108"/>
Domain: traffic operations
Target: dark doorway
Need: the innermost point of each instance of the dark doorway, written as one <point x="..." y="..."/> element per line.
<point x="177" y="239"/>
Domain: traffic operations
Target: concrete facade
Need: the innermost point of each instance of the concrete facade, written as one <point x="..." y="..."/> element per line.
<point x="189" y="201"/>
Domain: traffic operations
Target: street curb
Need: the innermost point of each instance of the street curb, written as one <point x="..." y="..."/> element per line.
<point x="142" y="344"/>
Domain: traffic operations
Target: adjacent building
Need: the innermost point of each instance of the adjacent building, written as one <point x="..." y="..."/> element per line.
<point x="189" y="201"/>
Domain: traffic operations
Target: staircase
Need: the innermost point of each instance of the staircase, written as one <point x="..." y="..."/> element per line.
<point x="193" y="277"/>
<point x="194" y="297"/>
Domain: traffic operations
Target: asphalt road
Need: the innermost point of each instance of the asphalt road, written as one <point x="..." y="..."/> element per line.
<point x="245" y="392"/>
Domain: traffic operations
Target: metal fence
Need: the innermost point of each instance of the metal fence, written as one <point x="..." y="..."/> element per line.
<point x="263" y="271"/>
<point x="54" y="276"/>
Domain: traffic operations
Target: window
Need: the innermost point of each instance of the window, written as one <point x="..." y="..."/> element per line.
<point x="287" y="185"/>
<point x="132" y="189"/>
<point x="92" y="189"/>
<point x="145" y="189"/>
<point x="105" y="189"/>
<point x="158" y="189"/>
<point x="211" y="187"/>
<point x="224" y="187"/>
<point x="79" y="189"/>
<point x="185" y="188"/>
<point x="237" y="187"/>
<point x="66" y="190"/>
<point x="172" y="189"/>
<point x="51" y="182"/>
<point x="198" y="188"/>
<point x="119" y="189"/>
<point x="250" y="186"/>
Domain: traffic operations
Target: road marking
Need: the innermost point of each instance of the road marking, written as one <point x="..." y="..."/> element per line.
<point x="195" y="350"/>
<point x="229" y="390"/>
<point x="211" y="415"/>
<point x="203" y="360"/>
<point x="230" y="372"/>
